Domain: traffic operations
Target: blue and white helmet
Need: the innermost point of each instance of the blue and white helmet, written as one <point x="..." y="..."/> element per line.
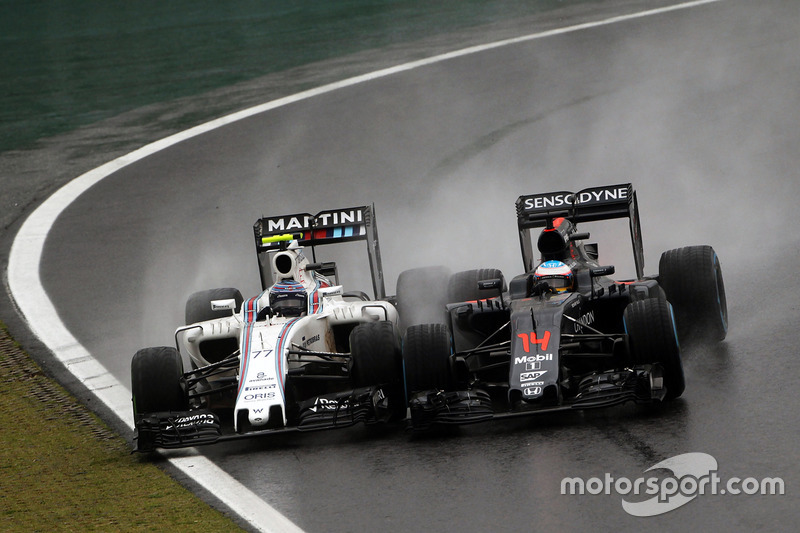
<point x="558" y="275"/>
<point x="288" y="298"/>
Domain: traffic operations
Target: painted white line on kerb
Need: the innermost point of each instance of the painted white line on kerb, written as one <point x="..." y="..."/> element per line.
<point x="34" y="304"/>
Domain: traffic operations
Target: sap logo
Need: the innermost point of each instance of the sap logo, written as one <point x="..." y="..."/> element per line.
<point x="533" y="358"/>
<point x="530" y="338"/>
<point x="530" y="376"/>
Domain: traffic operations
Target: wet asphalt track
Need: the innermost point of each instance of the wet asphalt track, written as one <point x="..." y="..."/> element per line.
<point x="698" y="108"/>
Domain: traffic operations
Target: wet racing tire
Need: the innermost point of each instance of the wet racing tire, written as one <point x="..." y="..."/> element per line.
<point x="692" y="280"/>
<point x="376" y="359"/>
<point x="422" y="296"/>
<point x="426" y="358"/>
<point x="198" y="309"/>
<point x="463" y="286"/>
<point x="653" y="339"/>
<point x="157" y="381"/>
<point x="198" y="306"/>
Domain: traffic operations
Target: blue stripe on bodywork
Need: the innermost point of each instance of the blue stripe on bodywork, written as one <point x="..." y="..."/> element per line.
<point x="279" y="357"/>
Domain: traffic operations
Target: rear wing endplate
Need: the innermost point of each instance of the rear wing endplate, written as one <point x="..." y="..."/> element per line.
<point x="588" y="205"/>
<point x="326" y="227"/>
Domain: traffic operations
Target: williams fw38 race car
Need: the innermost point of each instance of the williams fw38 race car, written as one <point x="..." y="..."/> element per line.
<point x="302" y="355"/>
<point x="563" y="335"/>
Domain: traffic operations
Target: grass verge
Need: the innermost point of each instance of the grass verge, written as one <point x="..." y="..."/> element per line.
<point x="63" y="469"/>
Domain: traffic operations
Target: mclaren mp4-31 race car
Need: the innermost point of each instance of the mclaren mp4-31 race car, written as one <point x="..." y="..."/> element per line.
<point x="563" y="335"/>
<point x="301" y="355"/>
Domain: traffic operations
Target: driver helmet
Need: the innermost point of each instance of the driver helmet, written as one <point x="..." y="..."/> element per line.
<point x="288" y="298"/>
<point x="558" y="275"/>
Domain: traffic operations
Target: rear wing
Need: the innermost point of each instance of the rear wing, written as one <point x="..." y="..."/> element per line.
<point x="326" y="227"/>
<point x="588" y="205"/>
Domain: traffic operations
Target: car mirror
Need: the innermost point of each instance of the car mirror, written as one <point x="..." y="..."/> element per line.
<point x="489" y="284"/>
<point x="493" y="284"/>
<point x="221" y="305"/>
<point x="602" y="271"/>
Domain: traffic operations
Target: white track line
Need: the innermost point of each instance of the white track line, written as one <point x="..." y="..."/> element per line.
<point x="34" y="304"/>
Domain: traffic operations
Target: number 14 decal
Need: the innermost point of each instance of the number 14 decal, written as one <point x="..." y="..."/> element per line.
<point x="530" y="338"/>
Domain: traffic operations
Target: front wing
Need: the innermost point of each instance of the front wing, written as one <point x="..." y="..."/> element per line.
<point x="641" y="385"/>
<point x="182" y="429"/>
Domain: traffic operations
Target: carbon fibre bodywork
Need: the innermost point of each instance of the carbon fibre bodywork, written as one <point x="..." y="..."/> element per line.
<point x="302" y="355"/>
<point x="530" y="349"/>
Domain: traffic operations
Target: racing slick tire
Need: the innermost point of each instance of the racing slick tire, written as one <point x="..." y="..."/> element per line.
<point x="650" y="326"/>
<point x="157" y="381"/>
<point x="198" y="306"/>
<point x="422" y="296"/>
<point x="463" y="286"/>
<point x="426" y="358"/>
<point x="692" y="280"/>
<point x="376" y="359"/>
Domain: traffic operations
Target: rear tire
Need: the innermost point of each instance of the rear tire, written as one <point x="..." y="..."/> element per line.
<point x="376" y="359"/>
<point x="198" y="306"/>
<point x="422" y="296"/>
<point x="692" y="280"/>
<point x="653" y="339"/>
<point x="463" y="286"/>
<point x="198" y="309"/>
<point x="157" y="381"/>
<point x="426" y="358"/>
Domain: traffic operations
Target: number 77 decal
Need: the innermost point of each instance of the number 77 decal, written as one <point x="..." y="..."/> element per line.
<point x="526" y="343"/>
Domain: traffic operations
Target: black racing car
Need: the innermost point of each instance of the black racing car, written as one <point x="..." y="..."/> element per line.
<point x="563" y="335"/>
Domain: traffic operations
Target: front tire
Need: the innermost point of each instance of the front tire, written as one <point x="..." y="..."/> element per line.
<point x="426" y="358"/>
<point x="376" y="359"/>
<point x="653" y="339"/>
<point x="157" y="381"/>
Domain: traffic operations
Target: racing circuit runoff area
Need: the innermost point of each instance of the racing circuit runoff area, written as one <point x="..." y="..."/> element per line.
<point x="443" y="150"/>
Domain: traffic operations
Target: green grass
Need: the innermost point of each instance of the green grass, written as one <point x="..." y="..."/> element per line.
<point x="70" y="63"/>
<point x="63" y="469"/>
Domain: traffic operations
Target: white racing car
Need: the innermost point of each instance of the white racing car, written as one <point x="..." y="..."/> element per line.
<point x="302" y="355"/>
